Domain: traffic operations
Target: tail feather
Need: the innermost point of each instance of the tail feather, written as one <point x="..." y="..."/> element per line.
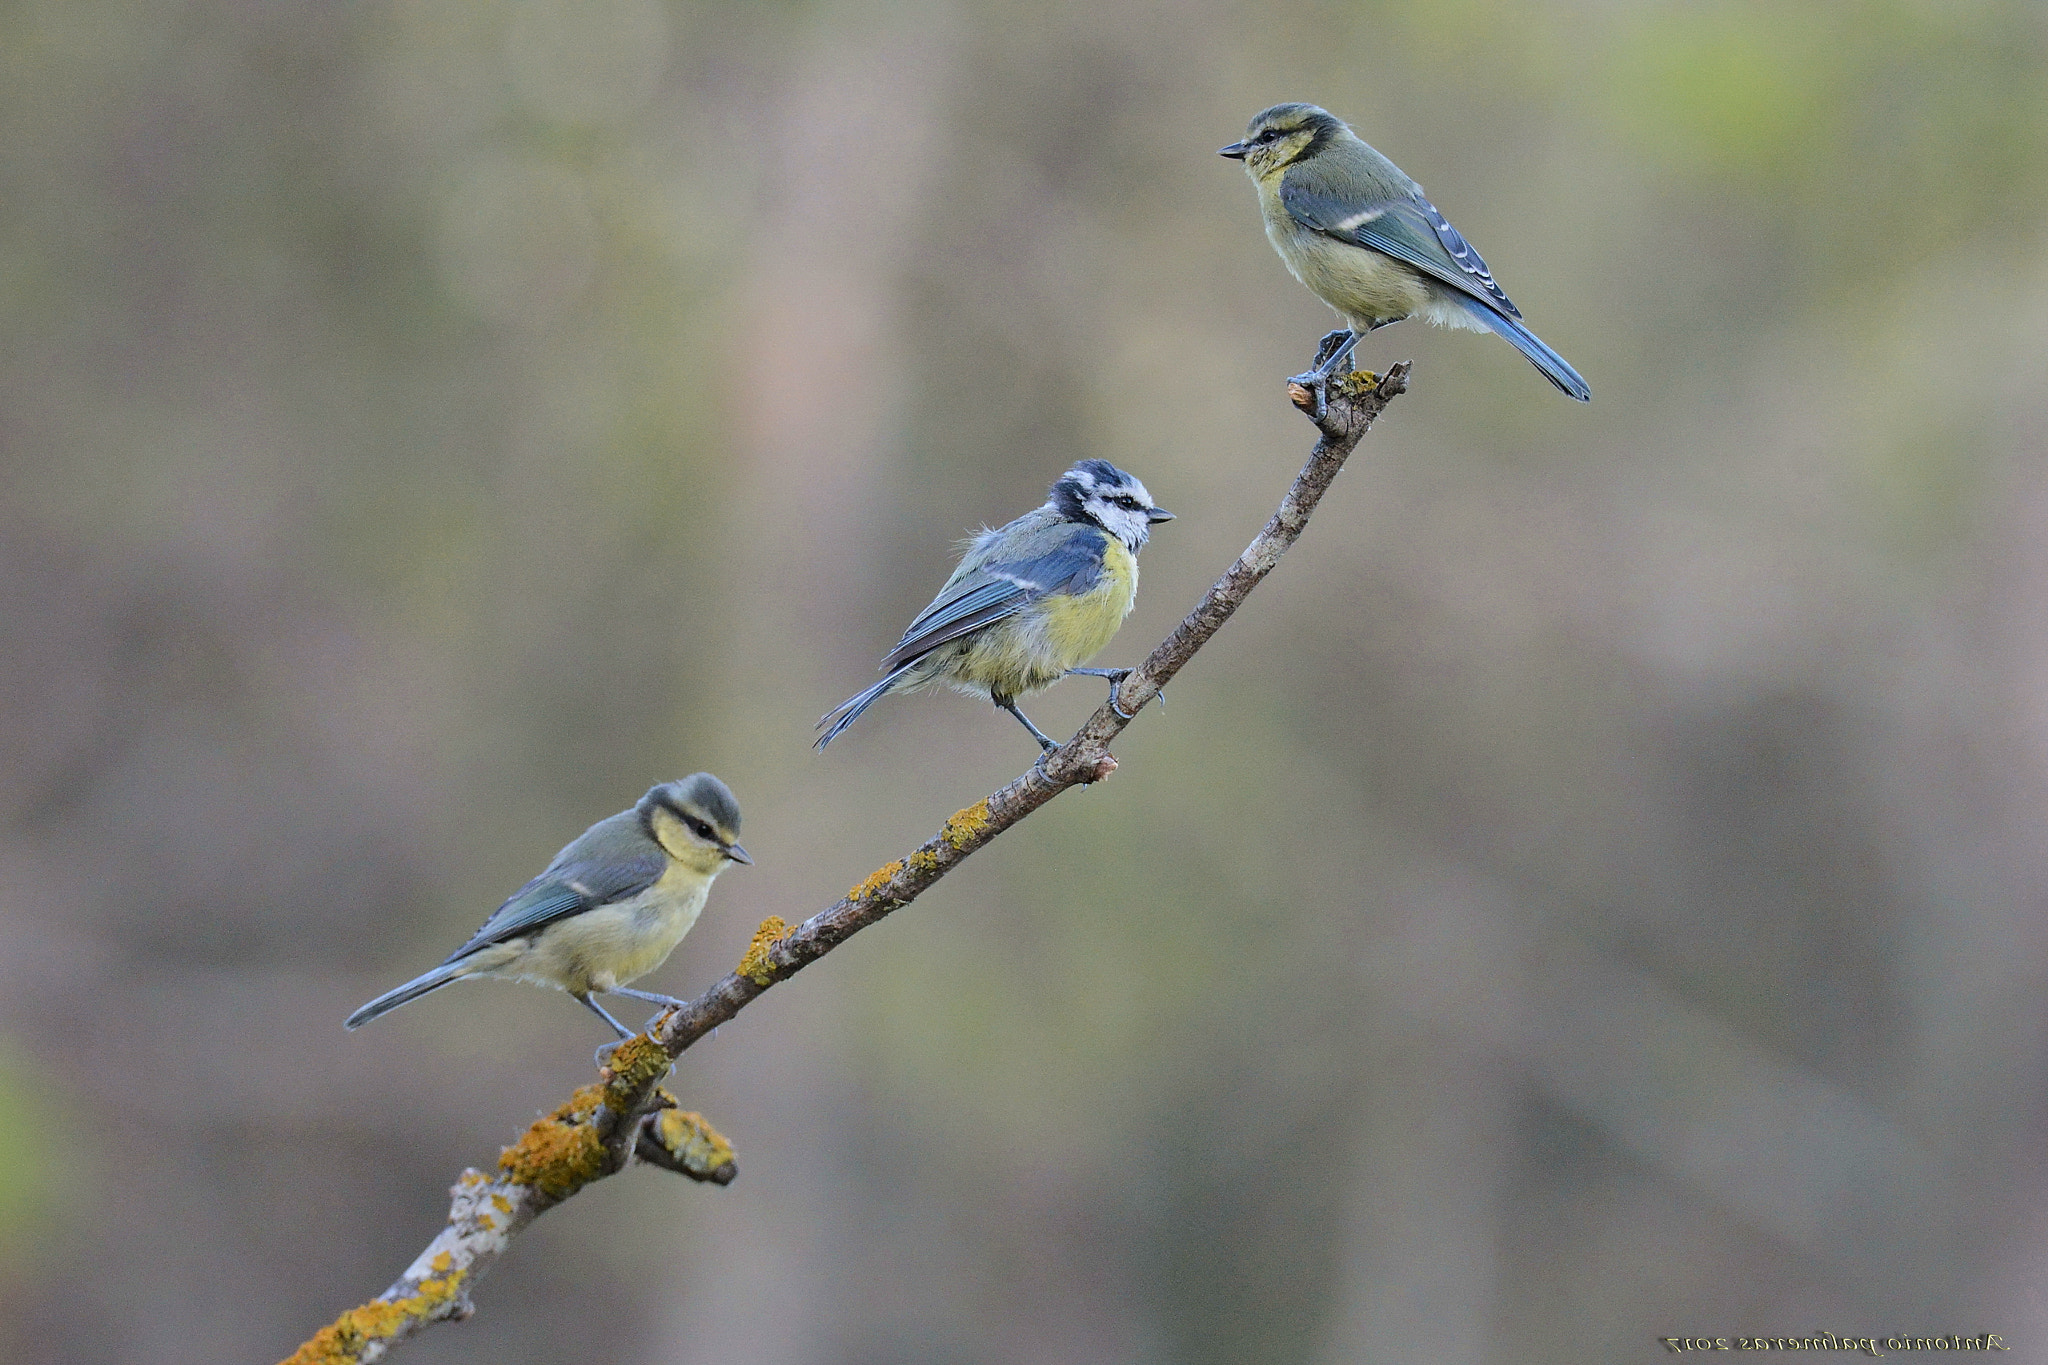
<point x="848" y="711"/>
<point x="410" y="991"/>
<point x="1555" y="367"/>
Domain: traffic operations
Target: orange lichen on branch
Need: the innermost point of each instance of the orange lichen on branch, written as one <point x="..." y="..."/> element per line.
<point x="562" y="1152"/>
<point x="754" y="963"/>
<point x="965" y="829"/>
<point x="877" y="879"/>
<point x="633" y="1066"/>
<point x="343" y="1341"/>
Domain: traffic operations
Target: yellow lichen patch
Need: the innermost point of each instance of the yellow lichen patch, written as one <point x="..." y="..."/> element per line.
<point x="754" y="963"/>
<point x="503" y="1204"/>
<point x="922" y="861"/>
<point x="967" y="827"/>
<point x="699" y="1147"/>
<point x="878" y="879"/>
<point x="560" y="1153"/>
<point x="348" y="1336"/>
<point x="1358" y="383"/>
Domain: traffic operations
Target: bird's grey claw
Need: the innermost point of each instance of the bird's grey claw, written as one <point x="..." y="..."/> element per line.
<point x="605" y="1051"/>
<point x="1317" y="383"/>
<point x="1331" y="341"/>
<point x="1116" y="678"/>
<point x="1116" y="683"/>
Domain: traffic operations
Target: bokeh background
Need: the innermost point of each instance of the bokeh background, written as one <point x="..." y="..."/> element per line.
<point x="1597" y="889"/>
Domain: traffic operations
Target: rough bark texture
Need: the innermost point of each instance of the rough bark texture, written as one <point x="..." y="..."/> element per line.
<point x="626" y="1114"/>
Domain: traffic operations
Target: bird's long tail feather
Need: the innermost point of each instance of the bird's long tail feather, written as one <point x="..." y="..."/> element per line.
<point x="848" y="711"/>
<point x="1555" y="367"/>
<point x="410" y="991"/>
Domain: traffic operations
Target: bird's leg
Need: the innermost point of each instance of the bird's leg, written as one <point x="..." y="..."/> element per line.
<point x="1339" y="361"/>
<point x="667" y="1002"/>
<point x="1330" y="344"/>
<point x="1333" y="353"/>
<point x="583" y="997"/>
<point x="605" y="1052"/>
<point x="1045" y="741"/>
<point x="1116" y="678"/>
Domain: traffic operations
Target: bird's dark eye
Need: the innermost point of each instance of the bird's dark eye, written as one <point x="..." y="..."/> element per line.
<point x="1268" y="135"/>
<point x="698" y="827"/>
<point x="1127" y="502"/>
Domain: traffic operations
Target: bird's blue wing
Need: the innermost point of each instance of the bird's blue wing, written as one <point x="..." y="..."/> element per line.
<point x="1409" y="230"/>
<point x="1000" y="589"/>
<point x="563" y="890"/>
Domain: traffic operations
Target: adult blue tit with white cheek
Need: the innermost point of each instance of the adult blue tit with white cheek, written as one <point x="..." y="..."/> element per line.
<point x="610" y="907"/>
<point x="1030" y="602"/>
<point x="1363" y="238"/>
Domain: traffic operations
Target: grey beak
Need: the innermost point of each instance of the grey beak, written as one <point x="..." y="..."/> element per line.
<point x="1235" y="151"/>
<point x="1158" y="514"/>
<point x="738" y="854"/>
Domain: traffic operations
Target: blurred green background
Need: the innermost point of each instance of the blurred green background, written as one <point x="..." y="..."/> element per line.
<point x="1597" y="890"/>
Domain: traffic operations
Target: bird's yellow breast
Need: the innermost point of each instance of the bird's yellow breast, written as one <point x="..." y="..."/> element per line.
<point x="612" y="944"/>
<point x="1077" y="627"/>
<point x="1035" y="648"/>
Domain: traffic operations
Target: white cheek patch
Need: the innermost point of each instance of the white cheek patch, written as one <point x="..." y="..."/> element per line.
<point x="1132" y="528"/>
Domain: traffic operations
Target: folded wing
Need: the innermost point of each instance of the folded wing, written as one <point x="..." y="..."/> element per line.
<point x="568" y="888"/>
<point x="982" y="596"/>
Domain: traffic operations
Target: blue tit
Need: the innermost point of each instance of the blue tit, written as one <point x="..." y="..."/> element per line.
<point x="1030" y="602"/>
<point x="1359" y="233"/>
<point x="609" y="908"/>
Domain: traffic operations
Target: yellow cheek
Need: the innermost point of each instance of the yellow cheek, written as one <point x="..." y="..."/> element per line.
<point x="697" y="859"/>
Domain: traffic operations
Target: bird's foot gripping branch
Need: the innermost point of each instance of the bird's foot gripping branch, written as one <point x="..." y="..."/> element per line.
<point x="627" y="1116"/>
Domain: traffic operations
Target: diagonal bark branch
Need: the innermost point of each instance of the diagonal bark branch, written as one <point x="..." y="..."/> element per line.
<point x="626" y="1113"/>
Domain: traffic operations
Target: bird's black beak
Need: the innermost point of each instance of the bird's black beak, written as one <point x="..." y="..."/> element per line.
<point x="738" y="854"/>
<point x="1236" y="151"/>
<point x="1158" y="514"/>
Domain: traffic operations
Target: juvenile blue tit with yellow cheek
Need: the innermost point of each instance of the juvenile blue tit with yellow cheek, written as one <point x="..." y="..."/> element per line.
<point x="609" y="908"/>
<point x="1030" y="602"/>
<point x="1359" y="233"/>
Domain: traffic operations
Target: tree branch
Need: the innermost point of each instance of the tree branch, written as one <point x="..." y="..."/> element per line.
<point x="627" y="1113"/>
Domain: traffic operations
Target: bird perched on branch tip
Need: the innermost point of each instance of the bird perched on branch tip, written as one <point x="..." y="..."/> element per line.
<point x="1363" y="238"/>
<point x="1030" y="601"/>
<point x="608" y="909"/>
